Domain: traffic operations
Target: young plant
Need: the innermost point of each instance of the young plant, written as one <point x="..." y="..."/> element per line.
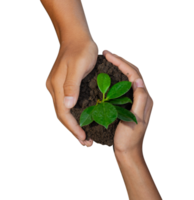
<point x="106" y="111"/>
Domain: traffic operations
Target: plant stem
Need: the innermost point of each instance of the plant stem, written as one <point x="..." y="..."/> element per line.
<point x="103" y="100"/>
<point x="103" y="97"/>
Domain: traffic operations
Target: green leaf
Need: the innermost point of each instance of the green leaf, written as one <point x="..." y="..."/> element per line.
<point x="103" y="81"/>
<point x="125" y="114"/>
<point x="118" y="89"/>
<point x="121" y="100"/>
<point x="86" y="116"/>
<point x="104" y="114"/>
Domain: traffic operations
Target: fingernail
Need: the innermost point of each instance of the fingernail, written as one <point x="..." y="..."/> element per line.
<point x="139" y="83"/>
<point x="69" y="102"/>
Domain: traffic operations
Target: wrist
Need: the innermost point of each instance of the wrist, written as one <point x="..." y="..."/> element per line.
<point x="68" y="18"/>
<point x="131" y="157"/>
<point x="81" y="39"/>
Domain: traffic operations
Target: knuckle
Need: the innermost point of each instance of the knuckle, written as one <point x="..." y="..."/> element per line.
<point x="69" y="88"/>
<point x="46" y="81"/>
<point x="58" y="116"/>
<point x="53" y="81"/>
<point x="151" y="99"/>
<point x="48" y="84"/>
<point x="143" y="93"/>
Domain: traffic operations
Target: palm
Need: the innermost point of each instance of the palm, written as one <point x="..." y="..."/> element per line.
<point x="128" y="135"/>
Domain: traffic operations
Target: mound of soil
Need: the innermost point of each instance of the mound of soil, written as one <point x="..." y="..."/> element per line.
<point x="89" y="94"/>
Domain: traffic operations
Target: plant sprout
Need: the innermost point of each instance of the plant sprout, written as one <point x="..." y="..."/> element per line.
<point x="106" y="111"/>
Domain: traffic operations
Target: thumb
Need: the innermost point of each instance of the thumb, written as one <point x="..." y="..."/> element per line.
<point x="71" y="92"/>
<point x="140" y="97"/>
<point x="138" y="84"/>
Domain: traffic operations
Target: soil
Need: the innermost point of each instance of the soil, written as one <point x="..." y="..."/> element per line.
<point x="89" y="94"/>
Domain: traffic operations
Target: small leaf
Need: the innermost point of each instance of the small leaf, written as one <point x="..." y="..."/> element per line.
<point x="86" y="116"/>
<point x="121" y="100"/>
<point x="125" y="114"/>
<point x="103" y="81"/>
<point x="104" y="114"/>
<point x="118" y="89"/>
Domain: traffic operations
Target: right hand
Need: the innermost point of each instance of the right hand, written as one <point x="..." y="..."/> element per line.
<point x="74" y="62"/>
<point x="129" y="136"/>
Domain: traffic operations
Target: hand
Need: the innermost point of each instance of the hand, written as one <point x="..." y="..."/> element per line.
<point x="75" y="60"/>
<point x="128" y="135"/>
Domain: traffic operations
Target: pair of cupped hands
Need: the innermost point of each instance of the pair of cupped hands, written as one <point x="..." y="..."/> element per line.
<point x="74" y="62"/>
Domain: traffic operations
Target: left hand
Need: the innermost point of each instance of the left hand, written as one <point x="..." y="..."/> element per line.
<point x="75" y="60"/>
<point x="129" y="136"/>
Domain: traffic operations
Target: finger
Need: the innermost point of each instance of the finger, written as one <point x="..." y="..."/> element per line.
<point x="62" y="112"/>
<point x="140" y="97"/>
<point x="130" y="63"/>
<point x="127" y="61"/>
<point x="138" y="70"/>
<point x="49" y="90"/>
<point x="140" y="93"/>
<point x="66" y="118"/>
<point x="125" y="68"/>
<point x="148" y="109"/>
<point x="87" y="143"/>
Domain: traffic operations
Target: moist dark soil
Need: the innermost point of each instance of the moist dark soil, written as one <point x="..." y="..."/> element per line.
<point x="89" y="94"/>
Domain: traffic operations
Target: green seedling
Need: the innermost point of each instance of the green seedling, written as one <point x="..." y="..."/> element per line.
<point x="106" y="111"/>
